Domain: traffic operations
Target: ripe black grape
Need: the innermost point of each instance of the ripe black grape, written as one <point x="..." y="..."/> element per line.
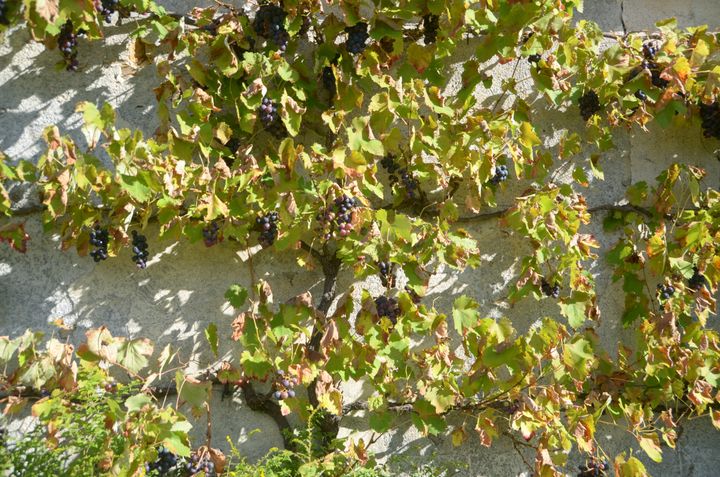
<point x="328" y="80"/>
<point x="400" y="174"/>
<point x="593" y="469"/>
<point x="640" y="94"/>
<point x="697" y="281"/>
<point x="284" y="386"/>
<point x="589" y="104"/>
<point x="501" y="174"/>
<point x="140" y="246"/>
<point x="270" y="118"/>
<point x="67" y="43"/>
<point x="431" y="23"/>
<point x="210" y="234"/>
<point x="99" y="239"/>
<point x="666" y="291"/>
<point x="535" y="59"/>
<point x="357" y="37"/>
<point x="107" y="8"/>
<point x="165" y="463"/>
<point x="267" y="224"/>
<point x="550" y="290"/>
<point x="344" y="206"/>
<point x="270" y="23"/>
<point x="339" y="218"/>
<point x="710" y="116"/>
<point x="387" y="307"/>
<point x="657" y="81"/>
<point x="199" y="464"/>
<point x="4" y="19"/>
<point x="384" y="268"/>
<point x="649" y="50"/>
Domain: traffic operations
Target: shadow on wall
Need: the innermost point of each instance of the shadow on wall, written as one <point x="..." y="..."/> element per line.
<point x="36" y="94"/>
<point x="405" y="449"/>
<point x="172" y="301"/>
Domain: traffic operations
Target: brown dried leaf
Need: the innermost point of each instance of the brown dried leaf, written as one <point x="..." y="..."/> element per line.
<point x="238" y="326"/>
<point x="48" y="9"/>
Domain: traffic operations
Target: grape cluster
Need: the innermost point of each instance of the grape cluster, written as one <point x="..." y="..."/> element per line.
<point x="400" y="174"/>
<point x="267" y="224"/>
<point x="140" y="246"/>
<point x="201" y="463"/>
<point x="270" y="118"/>
<point x="99" y="239"/>
<point x="649" y="50"/>
<point x="344" y="206"/>
<point x="550" y="290"/>
<point x="589" y="104"/>
<point x="666" y="291"/>
<point x="387" y="307"/>
<point x="166" y="461"/>
<point x="431" y="23"/>
<point x="270" y="23"/>
<point x="4" y="20"/>
<point x="211" y="234"/>
<point x="107" y="8"/>
<point x="284" y="386"/>
<point x="698" y="280"/>
<point x="339" y="219"/>
<point x="593" y="469"/>
<point x="357" y="37"/>
<point x="67" y="42"/>
<point x="328" y="80"/>
<point x="501" y="174"/>
<point x="710" y="117"/>
<point x="534" y="59"/>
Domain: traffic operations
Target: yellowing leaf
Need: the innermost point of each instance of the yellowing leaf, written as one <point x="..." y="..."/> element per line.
<point x="650" y="444"/>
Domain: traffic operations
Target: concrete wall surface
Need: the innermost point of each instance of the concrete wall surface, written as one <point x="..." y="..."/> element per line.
<point x="181" y="291"/>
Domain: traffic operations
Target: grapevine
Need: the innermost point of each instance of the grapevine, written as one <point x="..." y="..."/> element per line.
<point x="393" y="176"/>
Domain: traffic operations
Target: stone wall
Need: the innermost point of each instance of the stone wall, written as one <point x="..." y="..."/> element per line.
<point x="182" y="289"/>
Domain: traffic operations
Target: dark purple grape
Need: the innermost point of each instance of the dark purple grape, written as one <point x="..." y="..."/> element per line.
<point x="431" y="23"/>
<point x="698" y="280"/>
<point x="269" y="23"/>
<point x="710" y="117"/>
<point x="165" y="463"/>
<point x="594" y="469"/>
<point x="4" y="13"/>
<point x="357" y="36"/>
<point x="501" y="174"/>
<point x="387" y="307"/>
<point x="67" y="44"/>
<point x="211" y="234"/>
<point x="550" y="290"/>
<point x="267" y="224"/>
<point x="140" y="253"/>
<point x="589" y="104"/>
<point x="665" y="291"/>
<point x="99" y="239"/>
